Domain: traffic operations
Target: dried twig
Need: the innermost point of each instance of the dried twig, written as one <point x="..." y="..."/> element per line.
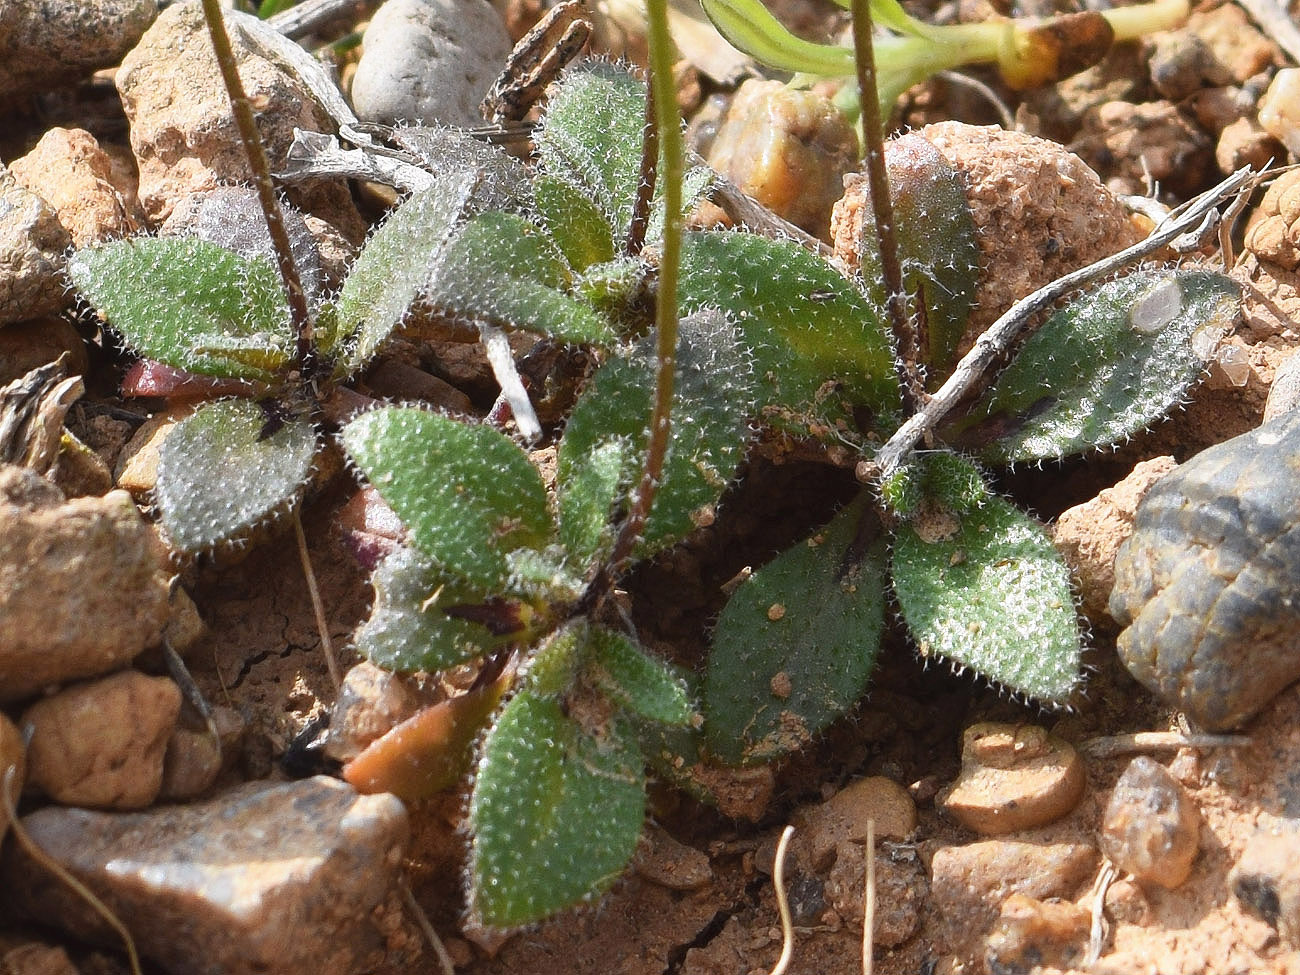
<point x="426" y="926"/>
<point x="314" y="16"/>
<point x="783" y="903"/>
<point x="1097" y="930"/>
<point x="869" y="902"/>
<point x="317" y="606"/>
<point x="1112" y="746"/>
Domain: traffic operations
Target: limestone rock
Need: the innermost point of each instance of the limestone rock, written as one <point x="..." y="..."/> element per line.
<point x="901" y="890"/>
<point x="1030" y="933"/>
<point x="101" y="743"/>
<point x="32" y="245"/>
<point x="274" y="879"/>
<point x="46" y="43"/>
<point x="83" y="584"/>
<point x="843" y="818"/>
<point x="182" y="132"/>
<point x="429" y="61"/>
<point x="72" y="174"/>
<point x="1013" y="777"/>
<point x="1151" y="828"/>
<point x="1278" y="112"/>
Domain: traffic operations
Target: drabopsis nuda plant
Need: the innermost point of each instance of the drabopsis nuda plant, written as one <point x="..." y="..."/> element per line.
<point x="700" y="337"/>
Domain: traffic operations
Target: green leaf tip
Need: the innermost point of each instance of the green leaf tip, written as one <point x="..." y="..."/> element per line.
<point x="1107" y="365"/>
<point x="219" y="476"/>
<point x="189" y="304"/>
<point x="796" y="643"/>
<point x="555" y="813"/>
<point x="467" y="492"/>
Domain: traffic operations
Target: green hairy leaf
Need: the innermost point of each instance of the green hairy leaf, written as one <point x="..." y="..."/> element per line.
<point x="986" y="589"/>
<point x="590" y="487"/>
<point x="574" y="221"/>
<point x="819" y="348"/>
<point x="502" y="269"/>
<point x="1107" y="365"/>
<point x="189" y="304"/>
<point x="392" y="269"/>
<point x="712" y="404"/>
<point x="637" y="681"/>
<point x="467" y="493"/>
<point x="795" y="644"/>
<point x="750" y="27"/>
<point x="409" y="628"/>
<point x="555" y="813"/>
<point x="218" y="476"/>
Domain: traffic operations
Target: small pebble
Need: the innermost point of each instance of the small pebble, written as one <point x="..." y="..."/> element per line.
<point x="969" y="883"/>
<point x="1014" y="777"/>
<point x="1132" y="144"/>
<point x="1151" y="828"/>
<point x="268" y="879"/>
<point x="429" y="61"/>
<point x="32" y="248"/>
<point x="13" y="755"/>
<point x="670" y="863"/>
<point x="1266" y="880"/>
<point x="101" y="743"/>
<point x="1284" y="394"/>
<point x="843" y="817"/>
<point x="371" y="702"/>
<point x="1279" y="109"/>
<point x="25" y="346"/>
<point x="83" y="584"/>
<point x="1031" y="933"/>
<point x="901" y="890"/>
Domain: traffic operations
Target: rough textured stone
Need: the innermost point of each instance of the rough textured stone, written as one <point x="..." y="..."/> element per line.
<point x="1151" y="828"/>
<point x="1030" y="933"/>
<point x="12" y="756"/>
<point x="1266" y="880"/>
<point x="182" y="133"/>
<point x="969" y="883"/>
<point x="269" y="879"/>
<point x="901" y="889"/>
<point x="83" y="584"/>
<point x="72" y="174"/>
<point x="45" y="43"/>
<point x="429" y="61"/>
<point x="101" y="743"/>
<point x="32" y="245"/>
<point x="371" y="702"/>
<point x="1151" y="140"/>
<point x="670" y="863"/>
<point x="1013" y="777"/>
<point x="1279" y="109"/>
<point x="28" y="345"/>
<point x="843" y="818"/>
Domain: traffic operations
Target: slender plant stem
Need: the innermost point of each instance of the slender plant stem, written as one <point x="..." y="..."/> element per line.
<point x="882" y="209"/>
<point x="317" y="605"/>
<point x="999" y="336"/>
<point x="645" y="187"/>
<point x="670" y="140"/>
<point x="260" y="167"/>
<point x="783" y="903"/>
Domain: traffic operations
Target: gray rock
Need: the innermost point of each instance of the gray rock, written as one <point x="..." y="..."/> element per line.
<point x="83" y="584"/>
<point x="1266" y="880"/>
<point x="429" y="61"/>
<point x="45" y="43"/>
<point x="269" y="879"/>
<point x="1284" y="394"/>
<point x="32" y="245"/>
<point x="1151" y="827"/>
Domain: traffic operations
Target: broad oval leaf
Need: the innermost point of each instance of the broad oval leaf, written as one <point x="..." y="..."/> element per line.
<point x="795" y="645"/>
<point x="468" y="493"/>
<point x="409" y="628"/>
<point x="555" y="813"/>
<point x="189" y="304"/>
<point x="635" y="680"/>
<point x="218" y="475"/>
<point x="712" y="406"/>
<point x="1107" y="365"/>
<point x="389" y="273"/>
<point x="502" y="269"/>
<point x="987" y="590"/>
<point x="819" y="348"/>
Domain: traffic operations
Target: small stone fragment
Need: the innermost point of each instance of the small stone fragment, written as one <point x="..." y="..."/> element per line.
<point x="371" y="702"/>
<point x="1279" y="109"/>
<point x="1032" y="933"/>
<point x="1089" y="534"/>
<point x="1266" y="880"/>
<point x="273" y="879"/>
<point x="72" y="174"/>
<point x="191" y="763"/>
<point x="426" y="61"/>
<point x="83" y="584"/>
<point x="35" y="958"/>
<point x="1151" y="828"/>
<point x="137" y="465"/>
<point x="1131" y="144"/>
<point x="47" y="43"/>
<point x="25" y="346"/>
<point x="1284" y="394"/>
<point x="788" y="149"/>
<point x="969" y="883"/>
<point x="32" y="248"/>
<point x="13" y="756"/>
<point x="101" y="743"/>
<point x="843" y="817"/>
<point x="1212" y="49"/>
<point x="901" y="889"/>
<point x="1013" y="777"/>
<point x="1273" y="231"/>
<point x="670" y="863"/>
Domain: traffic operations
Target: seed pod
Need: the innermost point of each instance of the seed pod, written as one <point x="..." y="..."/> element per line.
<point x="1207" y="585"/>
